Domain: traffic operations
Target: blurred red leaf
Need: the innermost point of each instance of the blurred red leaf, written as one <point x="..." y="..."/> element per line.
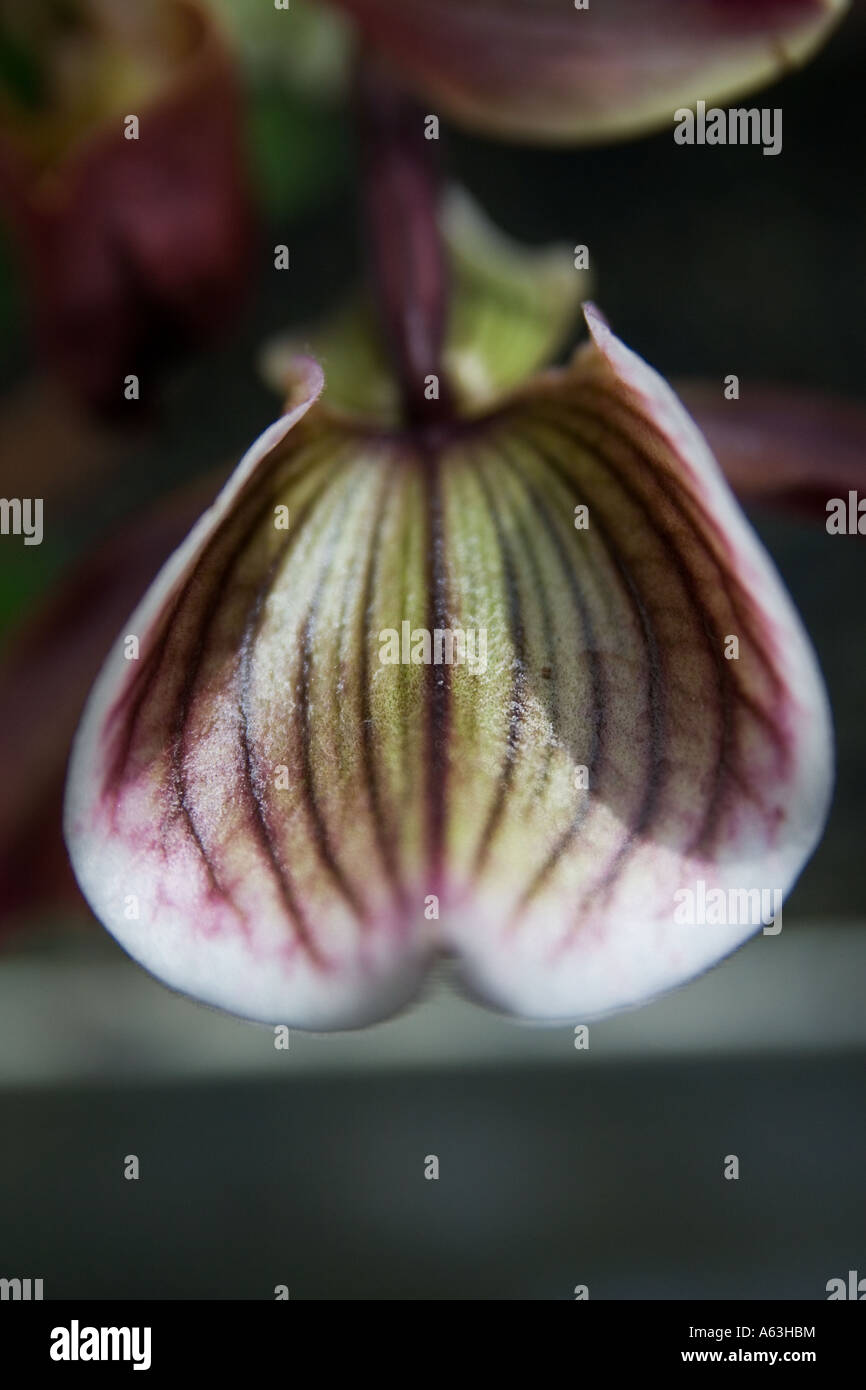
<point x="45" y="676"/>
<point x="135" y="250"/>
<point x="783" y="447"/>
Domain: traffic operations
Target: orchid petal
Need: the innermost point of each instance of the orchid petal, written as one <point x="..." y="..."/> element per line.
<point x="701" y="769"/>
<point x="549" y="71"/>
<point x="272" y="818"/>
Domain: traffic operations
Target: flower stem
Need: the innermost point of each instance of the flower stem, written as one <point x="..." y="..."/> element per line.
<point x="400" y="193"/>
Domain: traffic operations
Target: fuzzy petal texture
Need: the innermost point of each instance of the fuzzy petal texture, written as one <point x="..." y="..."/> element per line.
<point x="273" y="818"/>
<point x="545" y="70"/>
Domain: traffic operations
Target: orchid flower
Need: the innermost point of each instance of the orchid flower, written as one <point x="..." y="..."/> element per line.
<point x="273" y="818"/>
<point x="292" y="792"/>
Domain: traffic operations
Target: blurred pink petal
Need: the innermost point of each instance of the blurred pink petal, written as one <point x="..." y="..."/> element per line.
<point x="781" y="446"/>
<point x="544" y="70"/>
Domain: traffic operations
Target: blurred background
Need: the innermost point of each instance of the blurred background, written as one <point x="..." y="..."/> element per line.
<point x="305" y="1167"/>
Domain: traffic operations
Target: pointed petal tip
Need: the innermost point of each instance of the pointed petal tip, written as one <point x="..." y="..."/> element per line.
<point x="595" y="319"/>
<point x="301" y="380"/>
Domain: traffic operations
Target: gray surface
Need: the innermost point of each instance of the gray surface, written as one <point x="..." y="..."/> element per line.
<point x="547" y="1179"/>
